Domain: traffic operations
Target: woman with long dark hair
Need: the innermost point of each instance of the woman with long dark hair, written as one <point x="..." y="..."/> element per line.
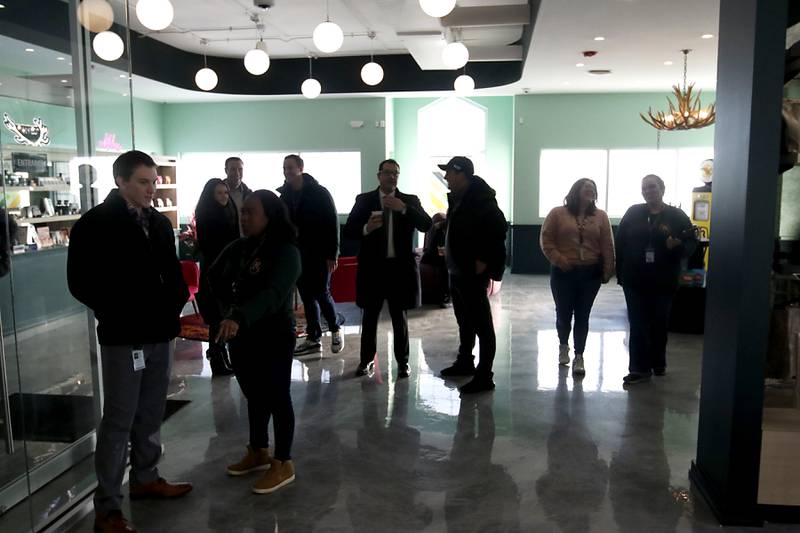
<point x="217" y="221"/>
<point x="577" y="240"/>
<point x="254" y="279"/>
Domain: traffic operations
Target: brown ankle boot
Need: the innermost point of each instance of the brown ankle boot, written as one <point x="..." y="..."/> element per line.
<point x="280" y="474"/>
<point x="257" y="459"/>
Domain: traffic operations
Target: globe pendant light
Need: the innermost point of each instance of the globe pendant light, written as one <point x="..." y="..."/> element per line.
<point x="310" y="88"/>
<point x="437" y="8"/>
<point x="205" y="78"/>
<point x="455" y="55"/>
<point x="155" y="14"/>
<point x="372" y="72"/>
<point x="108" y="46"/>
<point x="256" y="61"/>
<point x="464" y="85"/>
<point x="328" y="36"/>
<point x="95" y="15"/>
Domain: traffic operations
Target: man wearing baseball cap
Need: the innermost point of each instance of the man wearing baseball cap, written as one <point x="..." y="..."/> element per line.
<point x="475" y="252"/>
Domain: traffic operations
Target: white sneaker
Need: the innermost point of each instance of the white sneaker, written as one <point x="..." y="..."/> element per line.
<point x="337" y="341"/>
<point x="577" y="365"/>
<point x="308" y="346"/>
<point x="563" y="354"/>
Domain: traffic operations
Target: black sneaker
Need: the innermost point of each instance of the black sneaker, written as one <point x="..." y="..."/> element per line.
<point x="458" y="369"/>
<point x="403" y="371"/>
<point x="477" y="385"/>
<point x="633" y="379"/>
<point x="365" y="369"/>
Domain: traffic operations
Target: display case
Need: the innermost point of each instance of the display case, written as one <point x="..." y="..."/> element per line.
<point x="166" y="198"/>
<point x="41" y="194"/>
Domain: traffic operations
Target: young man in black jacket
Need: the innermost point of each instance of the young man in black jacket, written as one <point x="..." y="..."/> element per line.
<point x="475" y="251"/>
<point x="122" y="264"/>
<point x="313" y="212"/>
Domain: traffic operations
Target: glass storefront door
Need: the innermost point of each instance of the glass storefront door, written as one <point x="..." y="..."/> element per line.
<point x="64" y="115"/>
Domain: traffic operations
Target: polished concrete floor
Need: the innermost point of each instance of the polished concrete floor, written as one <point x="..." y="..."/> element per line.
<point x="543" y="452"/>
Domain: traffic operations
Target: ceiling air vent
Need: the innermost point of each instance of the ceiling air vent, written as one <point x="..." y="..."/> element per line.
<point x="599" y="71"/>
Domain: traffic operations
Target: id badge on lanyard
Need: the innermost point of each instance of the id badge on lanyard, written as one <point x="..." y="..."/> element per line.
<point x="650" y="251"/>
<point x="137" y="353"/>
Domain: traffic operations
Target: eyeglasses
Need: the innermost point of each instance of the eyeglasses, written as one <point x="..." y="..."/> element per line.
<point x="389" y="172"/>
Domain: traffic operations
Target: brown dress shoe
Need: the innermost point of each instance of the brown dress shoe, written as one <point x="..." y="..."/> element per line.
<point x="159" y="489"/>
<point x="112" y="522"/>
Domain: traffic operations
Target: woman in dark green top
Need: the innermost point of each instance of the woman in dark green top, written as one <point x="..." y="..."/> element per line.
<point x="253" y="280"/>
<point x="652" y="240"/>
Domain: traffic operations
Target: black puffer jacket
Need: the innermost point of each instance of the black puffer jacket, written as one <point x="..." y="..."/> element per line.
<point x="131" y="281"/>
<point x="314" y="214"/>
<point x="476" y="231"/>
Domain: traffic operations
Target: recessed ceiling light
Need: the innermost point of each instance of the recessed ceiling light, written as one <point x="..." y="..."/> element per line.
<point x="29" y="50"/>
<point x="123" y="76"/>
<point x="566" y="83"/>
<point x="59" y="58"/>
<point x="124" y="94"/>
<point x="64" y="81"/>
<point x="599" y="38"/>
<point x="707" y="36"/>
<point x="579" y="65"/>
<point x="668" y="63"/>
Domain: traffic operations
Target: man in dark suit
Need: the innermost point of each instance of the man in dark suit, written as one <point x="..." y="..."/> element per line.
<point x="384" y="220"/>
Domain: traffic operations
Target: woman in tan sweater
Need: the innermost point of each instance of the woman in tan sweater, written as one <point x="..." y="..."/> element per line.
<point x="577" y="240"/>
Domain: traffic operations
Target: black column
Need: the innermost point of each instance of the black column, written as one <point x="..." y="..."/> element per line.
<point x="752" y="36"/>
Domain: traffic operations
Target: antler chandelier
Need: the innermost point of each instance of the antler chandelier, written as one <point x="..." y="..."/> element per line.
<point x="687" y="113"/>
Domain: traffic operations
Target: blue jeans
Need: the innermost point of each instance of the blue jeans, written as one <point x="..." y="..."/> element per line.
<point x="574" y="293"/>
<point x="316" y="297"/>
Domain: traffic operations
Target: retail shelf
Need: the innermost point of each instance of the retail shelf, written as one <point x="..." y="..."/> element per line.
<point x="43" y="188"/>
<point x="45" y="220"/>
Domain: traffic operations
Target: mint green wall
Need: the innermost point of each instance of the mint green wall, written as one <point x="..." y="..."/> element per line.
<point x="499" y="136"/>
<point x="282" y="125"/>
<point x="110" y="114"/>
<point x="584" y="121"/>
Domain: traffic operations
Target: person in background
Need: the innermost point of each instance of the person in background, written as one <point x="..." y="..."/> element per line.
<point x="475" y="252"/>
<point x="8" y="236"/>
<point x="576" y="238"/>
<point x="384" y="221"/>
<point x="122" y="265"/>
<point x="253" y="279"/>
<point x="433" y="255"/>
<point x="313" y="213"/>
<point x="217" y="221"/>
<point x="652" y="240"/>
<point x="238" y="191"/>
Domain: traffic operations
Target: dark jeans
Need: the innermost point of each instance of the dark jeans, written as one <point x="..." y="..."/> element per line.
<point x="648" y="315"/>
<point x="474" y="317"/>
<point x="574" y="293"/>
<point x="371" y="314"/>
<point x="263" y="367"/>
<point x="316" y="296"/>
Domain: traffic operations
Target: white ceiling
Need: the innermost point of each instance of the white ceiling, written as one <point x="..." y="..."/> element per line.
<point x="640" y="36"/>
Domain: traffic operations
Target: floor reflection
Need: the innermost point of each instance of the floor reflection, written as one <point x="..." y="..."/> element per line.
<point x="543" y="452"/>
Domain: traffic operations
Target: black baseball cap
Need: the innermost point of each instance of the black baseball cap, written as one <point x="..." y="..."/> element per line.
<point x="460" y="164"/>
